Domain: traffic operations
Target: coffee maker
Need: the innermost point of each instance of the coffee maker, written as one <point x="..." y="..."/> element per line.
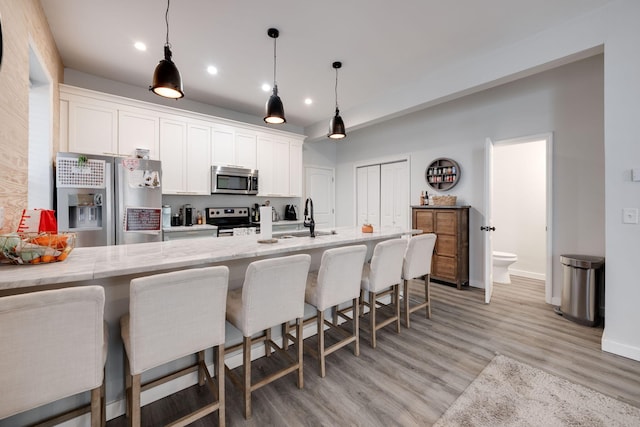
<point x="188" y="215"/>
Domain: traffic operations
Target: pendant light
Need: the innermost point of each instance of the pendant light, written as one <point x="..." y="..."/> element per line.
<point x="275" y="109"/>
<point x="336" y="125"/>
<point x="166" y="78"/>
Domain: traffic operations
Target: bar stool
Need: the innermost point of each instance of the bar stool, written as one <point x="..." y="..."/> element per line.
<point x="53" y="345"/>
<point x="382" y="278"/>
<point x="417" y="263"/>
<point x="173" y="315"/>
<point x="272" y="294"/>
<point x="336" y="282"/>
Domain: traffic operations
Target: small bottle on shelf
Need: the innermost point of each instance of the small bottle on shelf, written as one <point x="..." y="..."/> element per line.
<point x="199" y="217"/>
<point x="422" y="199"/>
<point x="426" y="198"/>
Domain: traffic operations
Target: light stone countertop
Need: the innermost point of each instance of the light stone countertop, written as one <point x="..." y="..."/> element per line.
<point x="196" y="227"/>
<point x="112" y="261"/>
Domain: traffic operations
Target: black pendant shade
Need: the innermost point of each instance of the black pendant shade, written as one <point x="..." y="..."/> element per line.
<point x="274" y="108"/>
<point x="336" y="124"/>
<point x="167" y="81"/>
<point x="336" y="127"/>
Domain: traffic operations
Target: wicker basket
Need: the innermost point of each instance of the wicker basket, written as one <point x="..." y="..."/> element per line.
<point x="444" y="200"/>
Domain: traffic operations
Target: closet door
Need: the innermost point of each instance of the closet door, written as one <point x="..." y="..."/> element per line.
<point x="394" y="186"/>
<point x="368" y="195"/>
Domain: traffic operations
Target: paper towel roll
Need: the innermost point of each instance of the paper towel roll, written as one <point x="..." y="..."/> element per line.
<point x="265" y="223"/>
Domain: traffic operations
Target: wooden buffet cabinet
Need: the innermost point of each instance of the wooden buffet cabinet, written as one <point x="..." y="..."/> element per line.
<point x="450" y="261"/>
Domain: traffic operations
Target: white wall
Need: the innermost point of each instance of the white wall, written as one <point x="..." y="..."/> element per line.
<point x="622" y="153"/>
<point x="567" y="101"/>
<point x="519" y="205"/>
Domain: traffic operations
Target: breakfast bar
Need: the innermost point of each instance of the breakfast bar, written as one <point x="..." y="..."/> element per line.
<point x="113" y="267"/>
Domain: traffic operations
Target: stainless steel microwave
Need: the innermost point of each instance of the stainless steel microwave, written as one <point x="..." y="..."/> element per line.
<point x="231" y="180"/>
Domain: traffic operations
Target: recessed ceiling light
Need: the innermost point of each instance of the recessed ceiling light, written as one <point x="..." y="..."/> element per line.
<point x="308" y="101"/>
<point x="266" y="87"/>
<point x="140" y="46"/>
<point x="212" y="70"/>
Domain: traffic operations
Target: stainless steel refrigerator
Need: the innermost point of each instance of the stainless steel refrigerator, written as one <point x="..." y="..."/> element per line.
<point x="109" y="200"/>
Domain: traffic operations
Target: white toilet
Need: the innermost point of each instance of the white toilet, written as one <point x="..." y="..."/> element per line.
<point x="501" y="263"/>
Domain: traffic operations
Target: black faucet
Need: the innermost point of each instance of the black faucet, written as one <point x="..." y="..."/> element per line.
<point x="310" y="223"/>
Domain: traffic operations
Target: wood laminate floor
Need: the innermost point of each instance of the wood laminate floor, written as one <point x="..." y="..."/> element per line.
<point x="411" y="378"/>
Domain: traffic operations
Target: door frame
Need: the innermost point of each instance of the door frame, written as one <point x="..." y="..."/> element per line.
<point x="548" y="137"/>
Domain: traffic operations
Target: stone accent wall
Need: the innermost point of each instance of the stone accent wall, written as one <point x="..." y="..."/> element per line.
<point x="23" y="22"/>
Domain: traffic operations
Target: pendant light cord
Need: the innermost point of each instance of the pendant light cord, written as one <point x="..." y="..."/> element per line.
<point x="336" y="89"/>
<point x="166" y="19"/>
<point x="275" y="84"/>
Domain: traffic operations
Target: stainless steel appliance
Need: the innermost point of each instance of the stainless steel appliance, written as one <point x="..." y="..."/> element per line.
<point x="107" y="200"/>
<point x="84" y="198"/>
<point x="230" y="180"/>
<point x="229" y="218"/>
<point x="188" y="215"/>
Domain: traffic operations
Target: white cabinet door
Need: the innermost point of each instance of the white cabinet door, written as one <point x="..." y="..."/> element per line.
<point x="265" y="166"/>
<point x="198" y="167"/>
<point x="281" y="167"/>
<point x="93" y="127"/>
<point x="137" y="129"/>
<point x="295" y="169"/>
<point x="173" y="142"/>
<point x="368" y="197"/>
<point x="394" y="188"/>
<point x="246" y="149"/>
<point x="223" y="146"/>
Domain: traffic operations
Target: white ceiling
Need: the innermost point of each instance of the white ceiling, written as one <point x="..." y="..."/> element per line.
<point x="382" y="44"/>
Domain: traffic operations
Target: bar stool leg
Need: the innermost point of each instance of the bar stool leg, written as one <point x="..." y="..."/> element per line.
<point x="320" y="323"/>
<point x="267" y="342"/>
<point x="299" y="344"/>
<point x="396" y="295"/>
<point x="135" y="400"/>
<point x="246" y="356"/>
<point x="96" y="407"/>
<point x="427" y="293"/>
<point x="201" y="376"/>
<point x="405" y="300"/>
<point x="218" y="360"/>
<point x="372" y="315"/>
<point x="356" y="325"/>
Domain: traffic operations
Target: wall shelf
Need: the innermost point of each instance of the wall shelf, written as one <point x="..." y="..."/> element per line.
<point x="442" y="174"/>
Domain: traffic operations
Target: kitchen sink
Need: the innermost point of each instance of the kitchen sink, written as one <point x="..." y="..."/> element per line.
<point x="302" y="233"/>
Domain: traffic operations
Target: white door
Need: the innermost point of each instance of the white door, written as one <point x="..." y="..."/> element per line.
<point x="488" y="227"/>
<point x="319" y="185"/>
<point x="394" y="194"/>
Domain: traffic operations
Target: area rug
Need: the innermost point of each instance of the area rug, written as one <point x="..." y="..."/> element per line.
<point x="510" y="393"/>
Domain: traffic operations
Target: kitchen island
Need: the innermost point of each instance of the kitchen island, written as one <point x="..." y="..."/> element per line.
<point x="113" y="267"/>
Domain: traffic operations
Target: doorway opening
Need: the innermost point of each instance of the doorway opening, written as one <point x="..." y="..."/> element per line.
<point x="520" y="207"/>
<point x="40" y="188"/>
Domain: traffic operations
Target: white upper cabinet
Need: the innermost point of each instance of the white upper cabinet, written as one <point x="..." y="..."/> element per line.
<point x="173" y="154"/>
<point x="93" y="127"/>
<point x="233" y="147"/>
<point x="295" y="168"/>
<point x="185" y="151"/>
<point x="138" y="129"/>
<point x="198" y="153"/>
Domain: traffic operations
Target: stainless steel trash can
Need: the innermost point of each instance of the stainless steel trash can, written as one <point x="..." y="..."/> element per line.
<point x="582" y="289"/>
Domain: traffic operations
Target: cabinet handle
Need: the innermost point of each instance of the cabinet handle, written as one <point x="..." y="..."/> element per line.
<point x="483" y="228"/>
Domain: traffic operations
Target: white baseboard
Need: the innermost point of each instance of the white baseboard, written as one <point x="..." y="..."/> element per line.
<point x="620" y="349"/>
<point x="527" y="274"/>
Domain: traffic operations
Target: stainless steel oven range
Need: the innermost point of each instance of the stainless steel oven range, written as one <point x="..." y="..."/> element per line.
<point x="229" y="218"/>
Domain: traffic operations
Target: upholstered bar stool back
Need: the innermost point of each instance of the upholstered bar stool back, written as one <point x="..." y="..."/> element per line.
<point x="52" y="346"/>
<point x="272" y="294"/>
<point x="172" y="315"/>
<point x="381" y="278"/>
<point x="417" y="263"/>
<point x="336" y="282"/>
